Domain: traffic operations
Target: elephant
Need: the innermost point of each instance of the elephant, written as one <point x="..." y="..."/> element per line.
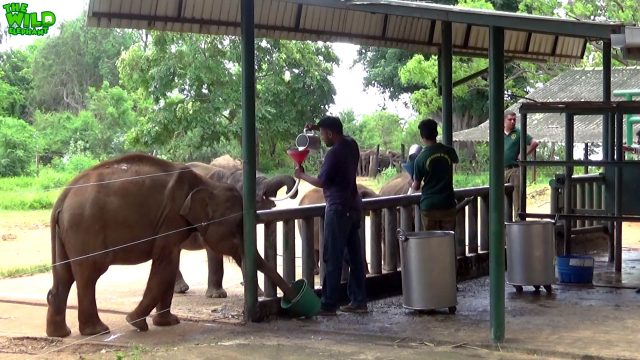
<point x="398" y="185"/>
<point x="266" y="189"/>
<point x="315" y="196"/>
<point x="130" y="210"/>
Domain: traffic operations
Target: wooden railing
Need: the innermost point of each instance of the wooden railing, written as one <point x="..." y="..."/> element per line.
<point x="587" y="197"/>
<point x="471" y="235"/>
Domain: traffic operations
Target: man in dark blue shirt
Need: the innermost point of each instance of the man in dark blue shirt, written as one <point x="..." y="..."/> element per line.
<point x="343" y="211"/>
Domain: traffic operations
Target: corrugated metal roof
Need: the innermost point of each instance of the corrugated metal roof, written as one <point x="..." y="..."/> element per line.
<point x="396" y="24"/>
<point x="571" y="85"/>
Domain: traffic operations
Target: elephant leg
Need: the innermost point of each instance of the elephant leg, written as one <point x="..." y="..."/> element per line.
<point x="57" y="300"/>
<point x="163" y="316"/>
<point x="180" y="286"/>
<point x="216" y="273"/>
<point x="87" y="275"/>
<point x="158" y="292"/>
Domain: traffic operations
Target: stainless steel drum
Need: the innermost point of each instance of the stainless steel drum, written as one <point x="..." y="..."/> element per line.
<point x="530" y="254"/>
<point x="428" y="270"/>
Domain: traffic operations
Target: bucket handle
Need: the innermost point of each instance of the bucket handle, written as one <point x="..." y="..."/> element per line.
<point x="402" y="235"/>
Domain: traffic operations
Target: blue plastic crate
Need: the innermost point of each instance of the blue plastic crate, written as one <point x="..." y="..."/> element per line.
<point x="575" y="269"/>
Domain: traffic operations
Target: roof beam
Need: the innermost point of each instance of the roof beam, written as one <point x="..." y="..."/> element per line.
<point x="523" y="22"/>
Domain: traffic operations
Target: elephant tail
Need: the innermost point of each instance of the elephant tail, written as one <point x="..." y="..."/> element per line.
<point x="58" y="252"/>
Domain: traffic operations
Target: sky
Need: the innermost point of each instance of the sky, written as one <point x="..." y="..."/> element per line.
<point x="347" y="79"/>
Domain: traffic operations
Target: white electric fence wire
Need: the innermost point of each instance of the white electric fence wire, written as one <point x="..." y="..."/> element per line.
<point x="100" y="182"/>
<point x="96" y="335"/>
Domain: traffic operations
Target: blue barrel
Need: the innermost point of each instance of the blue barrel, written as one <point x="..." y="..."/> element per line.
<point x="575" y="269"/>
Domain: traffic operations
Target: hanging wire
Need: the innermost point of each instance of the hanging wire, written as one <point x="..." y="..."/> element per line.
<point x="99" y="334"/>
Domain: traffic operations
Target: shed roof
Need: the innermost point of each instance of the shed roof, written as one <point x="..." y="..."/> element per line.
<point x="571" y="85"/>
<point x="413" y="26"/>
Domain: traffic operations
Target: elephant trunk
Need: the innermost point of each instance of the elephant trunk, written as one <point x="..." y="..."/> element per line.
<point x="272" y="274"/>
<point x="275" y="183"/>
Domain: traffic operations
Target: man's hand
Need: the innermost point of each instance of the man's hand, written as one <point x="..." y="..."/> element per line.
<point x="297" y="173"/>
<point x="309" y="126"/>
<point x="628" y="148"/>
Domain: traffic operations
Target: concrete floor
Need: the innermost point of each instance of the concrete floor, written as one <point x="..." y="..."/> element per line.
<point x="572" y="322"/>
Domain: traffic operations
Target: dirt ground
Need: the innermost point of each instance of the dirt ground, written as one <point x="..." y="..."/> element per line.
<point x="25" y="241"/>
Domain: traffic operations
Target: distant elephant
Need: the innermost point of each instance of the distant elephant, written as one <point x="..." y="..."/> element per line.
<point x="315" y="196"/>
<point x="365" y="161"/>
<point x="398" y="185"/>
<point x="265" y="190"/>
<point x="130" y="210"/>
<point x="226" y="162"/>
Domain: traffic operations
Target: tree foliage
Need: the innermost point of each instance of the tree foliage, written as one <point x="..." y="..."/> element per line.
<point x="196" y="83"/>
<point x="67" y="65"/>
<point x="17" y="147"/>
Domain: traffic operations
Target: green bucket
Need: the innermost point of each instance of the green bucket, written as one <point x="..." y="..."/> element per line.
<point x="305" y="304"/>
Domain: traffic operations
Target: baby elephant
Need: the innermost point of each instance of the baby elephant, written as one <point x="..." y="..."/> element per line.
<point x="130" y="210"/>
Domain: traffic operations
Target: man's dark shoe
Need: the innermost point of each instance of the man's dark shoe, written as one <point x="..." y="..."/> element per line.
<point x="360" y="309"/>
<point x="324" y="312"/>
<point x="638" y="291"/>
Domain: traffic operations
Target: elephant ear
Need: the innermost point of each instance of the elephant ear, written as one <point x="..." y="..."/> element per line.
<point x="218" y="175"/>
<point x="196" y="208"/>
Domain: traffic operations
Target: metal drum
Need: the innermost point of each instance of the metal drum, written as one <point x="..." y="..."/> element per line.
<point x="428" y="270"/>
<point x="530" y="254"/>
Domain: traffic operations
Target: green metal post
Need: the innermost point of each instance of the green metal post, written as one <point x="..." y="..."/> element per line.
<point x="523" y="168"/>
<point x="496" y="182"/>
<point x="617" y="194"/>
<point x="446" y="54"/>
<point x="606" y="95"/>
<point x="249" y="159"/>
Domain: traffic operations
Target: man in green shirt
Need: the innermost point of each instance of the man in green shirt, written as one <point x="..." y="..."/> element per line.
<point x="512" y="155"/>
<point x="434" y="166"/>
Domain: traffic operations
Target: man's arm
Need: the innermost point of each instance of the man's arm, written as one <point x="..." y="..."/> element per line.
<point x="300" y="174"/>
<point x="532" y="147"/>
<point x="416" y="185"/>
<point x="418" y="174"/>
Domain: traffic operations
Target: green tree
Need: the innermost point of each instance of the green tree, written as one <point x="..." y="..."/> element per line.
<point x="380" y="128"/>
<point x="112" y="108"/>
<point x="15" y="81"/>
<point x="397" y="72"/>
<point x="11" y="99"/>
<point x="67" y="65"/>
<point x="64" y="133"/>
<point x="196" y="83"/>
<point x="17" y="147"/>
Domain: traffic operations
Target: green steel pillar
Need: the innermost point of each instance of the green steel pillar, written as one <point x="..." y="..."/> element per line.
<point x="630" y="119"/>
<point x="617" y="195"/>
<point x="496" y="182"/>
<point x="446" y="55"/>
<point x="249" y="159"/>
<point x="606" y="95"/>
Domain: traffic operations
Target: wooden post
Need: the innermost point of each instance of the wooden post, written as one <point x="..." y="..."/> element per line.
<point x="390" y="240"/>
<point x="270" y="251"/>
<point x="376" y="243"/>
<point x="534" y="172"/>
<point x="586" y="157"/>
<point x="289" y="251"/>
<point x="484" y="223"/>
<point x="472" y="226"/>
<point x="460" y="234"/>
<point x="321" y="247"/>
<point x="307" y="251"/>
